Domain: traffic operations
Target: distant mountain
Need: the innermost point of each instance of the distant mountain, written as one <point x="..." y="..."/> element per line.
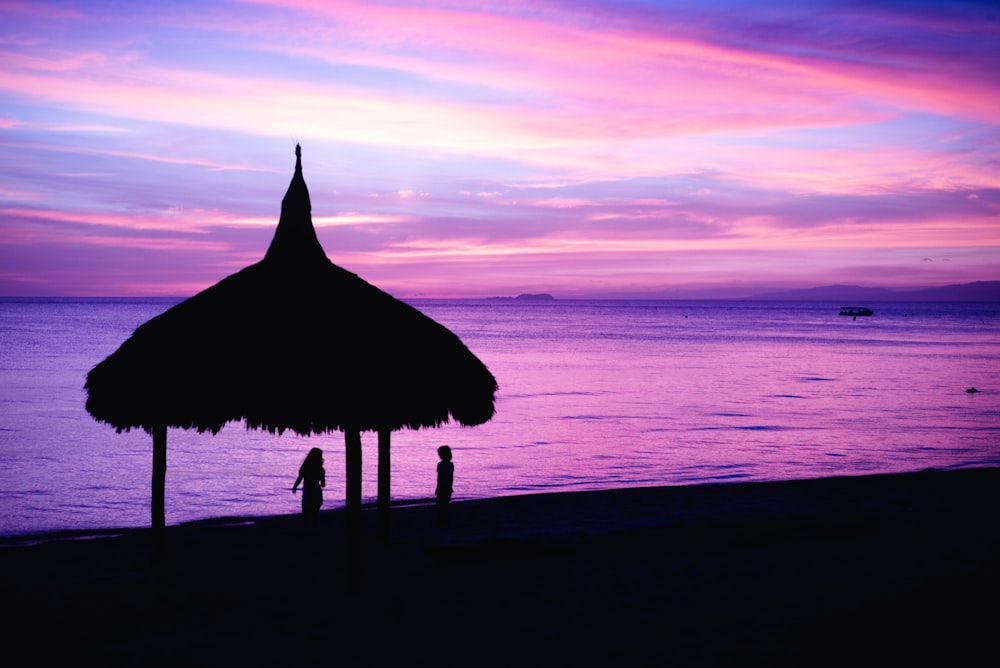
<point x="676" y="294"/>
<point x="528" y="297"/>
<point x="848" y="295"/>
<point x="980" y="291"/>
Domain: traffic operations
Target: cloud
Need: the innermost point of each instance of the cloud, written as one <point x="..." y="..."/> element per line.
<point x="623" y="142"/>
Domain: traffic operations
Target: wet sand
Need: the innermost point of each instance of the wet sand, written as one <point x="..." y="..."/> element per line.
<point x="875" y="570"/>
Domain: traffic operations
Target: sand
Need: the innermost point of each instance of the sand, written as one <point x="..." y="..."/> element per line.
<point x="873" y="570"/>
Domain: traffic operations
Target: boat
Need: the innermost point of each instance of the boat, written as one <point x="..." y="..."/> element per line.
<point x="856" y="310"/>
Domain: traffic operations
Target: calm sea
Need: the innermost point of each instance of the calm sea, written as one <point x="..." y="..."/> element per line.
<point x="593" y="395"/>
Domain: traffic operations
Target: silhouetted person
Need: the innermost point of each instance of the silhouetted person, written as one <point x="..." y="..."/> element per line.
<point x="312" y="475"/>
<point x="445" y="479"/>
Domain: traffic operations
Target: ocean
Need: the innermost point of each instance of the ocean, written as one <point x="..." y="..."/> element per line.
<point x="593" y="395"/>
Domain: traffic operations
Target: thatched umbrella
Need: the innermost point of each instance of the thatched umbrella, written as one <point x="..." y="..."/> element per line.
<point x="293" y="342"/>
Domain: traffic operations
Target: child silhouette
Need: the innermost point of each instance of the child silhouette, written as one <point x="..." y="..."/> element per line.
<point x="445" y="479"/>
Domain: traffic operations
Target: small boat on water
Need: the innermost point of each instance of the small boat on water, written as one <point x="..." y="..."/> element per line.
<point x="856" y="310"/>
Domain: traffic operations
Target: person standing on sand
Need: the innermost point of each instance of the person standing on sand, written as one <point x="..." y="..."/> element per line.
<point x="312" y="475"/>
<point x="445" y="479"/>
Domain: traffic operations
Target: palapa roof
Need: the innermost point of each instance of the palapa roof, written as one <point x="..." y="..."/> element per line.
<point x="291" y="342"/>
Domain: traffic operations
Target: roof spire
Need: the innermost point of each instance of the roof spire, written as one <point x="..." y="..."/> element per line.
<point x="295" y="238"/>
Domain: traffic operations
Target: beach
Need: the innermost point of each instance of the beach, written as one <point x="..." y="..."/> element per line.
<point x="865" y="570"/>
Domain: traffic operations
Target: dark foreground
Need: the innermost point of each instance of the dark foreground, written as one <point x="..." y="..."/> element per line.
<point x="881" y="570"/>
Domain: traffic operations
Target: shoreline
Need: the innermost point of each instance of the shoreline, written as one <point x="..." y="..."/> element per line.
<point x="336" y="507"/>
<point x="859" y="570"/>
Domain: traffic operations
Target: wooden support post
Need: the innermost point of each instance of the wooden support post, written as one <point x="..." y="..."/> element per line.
<point x="384" y="485"/>
<point x="352" y="506"/>
<point x="352" y="441"/>
<point x="158" y="491"/>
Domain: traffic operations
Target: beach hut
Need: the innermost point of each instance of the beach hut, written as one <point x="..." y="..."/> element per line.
<point x="293" y="342"/>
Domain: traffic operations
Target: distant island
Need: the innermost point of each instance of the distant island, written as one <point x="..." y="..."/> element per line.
<point x="528" y="297"/>
<point x="979" y="291"/>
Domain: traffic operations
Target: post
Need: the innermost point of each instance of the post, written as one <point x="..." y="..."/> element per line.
<point x="158" y="488"/>
<point x="384" y="485"/>
<point x="352" y="505"/>
<point x="352" y="442"/>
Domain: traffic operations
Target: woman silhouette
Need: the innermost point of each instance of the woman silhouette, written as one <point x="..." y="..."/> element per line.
<point x="445" y="480"/>
<point x="312" y="475"/>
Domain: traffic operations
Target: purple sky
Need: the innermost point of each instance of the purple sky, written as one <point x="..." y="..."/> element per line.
<point x="480" y="149"/>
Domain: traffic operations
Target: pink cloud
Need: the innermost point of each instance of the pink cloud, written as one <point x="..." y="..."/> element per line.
<point x="557" y="52"/>
<point x="653" y="85"/>
<point x="186" y="221"/>
<point x="541" y="143"/>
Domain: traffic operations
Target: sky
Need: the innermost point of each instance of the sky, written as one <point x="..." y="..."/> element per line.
<point x="476" y="148"/>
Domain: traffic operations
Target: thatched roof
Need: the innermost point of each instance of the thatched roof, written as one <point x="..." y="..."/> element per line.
<point x="292" y="342"/>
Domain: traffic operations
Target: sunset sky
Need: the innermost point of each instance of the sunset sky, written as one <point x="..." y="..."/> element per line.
<point x="463" y="148"/>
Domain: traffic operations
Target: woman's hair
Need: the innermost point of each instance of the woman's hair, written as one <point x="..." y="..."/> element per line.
<point x="444" y="452"/>
<point x="313" y="461"/>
